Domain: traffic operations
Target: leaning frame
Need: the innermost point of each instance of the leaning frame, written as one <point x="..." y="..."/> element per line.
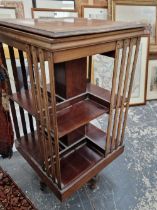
<point x="113" y="3"/>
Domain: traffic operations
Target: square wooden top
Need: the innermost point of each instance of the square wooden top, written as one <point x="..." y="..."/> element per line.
<point x="67" y="27"/>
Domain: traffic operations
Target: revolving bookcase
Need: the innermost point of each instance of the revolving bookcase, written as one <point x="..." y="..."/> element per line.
<point x="55" y="101"/>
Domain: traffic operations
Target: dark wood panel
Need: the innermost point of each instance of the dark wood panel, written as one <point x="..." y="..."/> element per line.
<point x="96" y="135"/>
<point x="70" y="78"/>
<point x="76" y="77"/>
<point x="74" y="136"/>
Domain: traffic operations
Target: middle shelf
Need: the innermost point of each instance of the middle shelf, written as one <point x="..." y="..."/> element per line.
<point x="72" y="113"/>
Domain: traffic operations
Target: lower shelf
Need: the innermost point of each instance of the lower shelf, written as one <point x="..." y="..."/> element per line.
<point x="78" y="164"/>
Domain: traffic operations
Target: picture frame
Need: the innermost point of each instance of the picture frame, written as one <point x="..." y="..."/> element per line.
<point x="16" y="4"/>
<point x="54" y="4"/>
<point x="53" y="13"/>
<point x="131" y="11"/>
<point x="94" y="12"/>
<point x="152" y="80"/>
<point x="8" y="12"/>
<point x="103" y="69"/>
<point x="139" y="90"/>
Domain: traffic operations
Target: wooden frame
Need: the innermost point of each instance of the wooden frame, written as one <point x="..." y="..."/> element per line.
<point x="18" y="5"/>
<point x="90" y="62"/>
<point x="73" y="13"/>
<point x="11" y="9"/>
<point x="34" y="3"/>
<point x="153" y="51"/>
<point x="152" y="4"/>
<point x="143" y="63"/>
<point x="92" y="7"/>
<point x="152" y="78"/>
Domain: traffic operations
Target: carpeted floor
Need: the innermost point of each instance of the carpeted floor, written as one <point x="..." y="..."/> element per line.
<point x="11" y="197"/>
<point x="129" y="183"/>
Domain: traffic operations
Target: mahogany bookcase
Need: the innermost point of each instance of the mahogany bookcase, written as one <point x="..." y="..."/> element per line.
<point x="61" y="145"/>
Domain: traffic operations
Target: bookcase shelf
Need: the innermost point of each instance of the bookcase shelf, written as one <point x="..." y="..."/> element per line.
<point x="76" y="159"/>
<point x="72" y="115"/>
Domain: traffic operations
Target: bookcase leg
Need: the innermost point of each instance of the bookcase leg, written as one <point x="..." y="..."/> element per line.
<point x="42" y="186"/>
<point x="93" y="182"/>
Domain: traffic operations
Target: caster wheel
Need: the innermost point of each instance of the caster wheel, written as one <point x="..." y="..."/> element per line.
<point x="93" y="183"/>
<point x="42" y="186"/>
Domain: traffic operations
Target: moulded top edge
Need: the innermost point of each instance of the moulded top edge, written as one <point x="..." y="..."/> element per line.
<point x="67" y="27"/>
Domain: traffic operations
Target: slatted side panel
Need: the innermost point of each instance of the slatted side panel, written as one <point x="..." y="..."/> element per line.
<point x="54" y="116"/>
<point x="41" y="69"/>
<point x="130" y="85"/>
<point x="24" y="71"/>
<point x="17" y="86"/>
<point x="33" y="86"/>
<point x="126" y="56"/>
<point x="14" y="62"/>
